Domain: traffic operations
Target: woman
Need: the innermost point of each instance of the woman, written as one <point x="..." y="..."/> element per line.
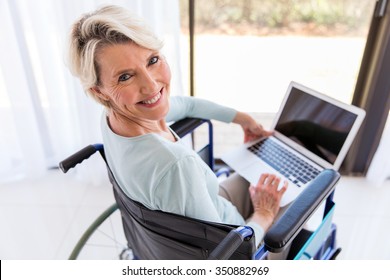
<point x="119" y="63"/>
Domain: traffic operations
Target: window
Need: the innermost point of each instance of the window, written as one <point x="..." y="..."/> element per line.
<point x="246" y="52"/>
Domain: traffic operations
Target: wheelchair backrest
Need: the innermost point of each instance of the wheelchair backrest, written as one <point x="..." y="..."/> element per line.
<point x="159" y="235"/>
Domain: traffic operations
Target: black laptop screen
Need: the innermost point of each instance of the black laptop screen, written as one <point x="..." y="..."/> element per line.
<point x="317" y="125"/>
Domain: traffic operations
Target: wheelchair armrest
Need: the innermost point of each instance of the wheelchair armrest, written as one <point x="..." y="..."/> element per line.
<point x="187" y="125"/>
<point x="284" y="230"/>
<point x="230" y="243"/>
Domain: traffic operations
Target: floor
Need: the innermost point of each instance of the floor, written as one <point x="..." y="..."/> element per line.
<point x="43" y="218"/>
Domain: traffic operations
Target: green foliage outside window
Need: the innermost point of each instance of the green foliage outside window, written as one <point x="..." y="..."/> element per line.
<point x="262" y="17"/>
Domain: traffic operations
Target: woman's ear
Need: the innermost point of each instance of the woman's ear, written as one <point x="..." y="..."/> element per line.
<point x="96" y="91"/>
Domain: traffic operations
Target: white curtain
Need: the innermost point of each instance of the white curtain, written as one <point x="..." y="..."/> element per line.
<point x="44" y="113"/>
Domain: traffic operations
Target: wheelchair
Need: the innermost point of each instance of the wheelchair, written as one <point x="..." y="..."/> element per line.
<point x="153" y="234"/>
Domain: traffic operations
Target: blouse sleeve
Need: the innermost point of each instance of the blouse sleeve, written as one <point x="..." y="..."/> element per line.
<point x="185" y="106"/>
<point x="183" y="189"/>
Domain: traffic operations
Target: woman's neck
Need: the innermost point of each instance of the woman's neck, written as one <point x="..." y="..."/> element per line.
<point x="129" y="127"/>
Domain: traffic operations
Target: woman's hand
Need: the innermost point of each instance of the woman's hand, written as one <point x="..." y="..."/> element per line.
<point x="252" y="130"/>
<point x="266" y="198"/>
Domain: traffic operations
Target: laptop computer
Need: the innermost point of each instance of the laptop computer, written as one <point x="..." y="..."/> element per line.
<point x="312" y="132"/>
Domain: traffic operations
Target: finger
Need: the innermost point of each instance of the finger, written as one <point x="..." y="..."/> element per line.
<point x="270" y="179"/>
<point x="269" y="133"/>
<point x="276" y="181"/>
<point x="284" y="188"/>
<point x="250" y="138"/>
<point x="263" y="178"/>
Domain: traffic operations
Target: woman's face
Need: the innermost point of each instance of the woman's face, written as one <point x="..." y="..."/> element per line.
<point x="135" y="80"/>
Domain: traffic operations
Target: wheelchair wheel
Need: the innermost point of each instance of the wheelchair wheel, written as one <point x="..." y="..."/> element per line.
<point x="104" y="238"/>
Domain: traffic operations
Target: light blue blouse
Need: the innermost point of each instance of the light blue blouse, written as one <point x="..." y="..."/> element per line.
<point x="169" y="176"/>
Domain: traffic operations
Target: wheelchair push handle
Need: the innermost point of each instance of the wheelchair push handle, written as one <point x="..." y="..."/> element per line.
<point x="230" y="243"/>
<point x="79" y="157"/>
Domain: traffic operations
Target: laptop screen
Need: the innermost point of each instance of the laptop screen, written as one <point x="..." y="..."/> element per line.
<point x="315" y="124"/>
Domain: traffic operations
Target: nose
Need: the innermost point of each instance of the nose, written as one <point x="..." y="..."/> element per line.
<point x="148" y="84"/>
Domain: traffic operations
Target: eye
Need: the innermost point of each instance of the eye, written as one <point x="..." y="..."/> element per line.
<point x="124" y="77"/>
<point x="154" y="60"/>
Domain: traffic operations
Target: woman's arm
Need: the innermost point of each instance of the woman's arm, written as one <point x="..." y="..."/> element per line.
<point x="191" y="190"/>
<point x="184" y="106"/>
<point x="252" y="129"/>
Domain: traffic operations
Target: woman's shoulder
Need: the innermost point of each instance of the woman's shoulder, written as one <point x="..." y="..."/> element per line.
<point x="151" y="147"/>
<point x="173" y="151"/>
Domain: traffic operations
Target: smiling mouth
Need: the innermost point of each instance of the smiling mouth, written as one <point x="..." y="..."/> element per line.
<point x="153" y="100"/>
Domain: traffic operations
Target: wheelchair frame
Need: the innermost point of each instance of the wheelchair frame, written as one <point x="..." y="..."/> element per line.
<point x="320" y="244"/>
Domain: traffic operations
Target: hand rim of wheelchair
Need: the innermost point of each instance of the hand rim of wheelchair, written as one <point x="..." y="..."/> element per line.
<point x="91" y="230"/>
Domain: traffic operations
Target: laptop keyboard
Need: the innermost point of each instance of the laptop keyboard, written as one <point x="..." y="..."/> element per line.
<point x="286" y="163"/>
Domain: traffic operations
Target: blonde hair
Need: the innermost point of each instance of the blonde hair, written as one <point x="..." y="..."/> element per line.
<point x="105" y="26"/>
